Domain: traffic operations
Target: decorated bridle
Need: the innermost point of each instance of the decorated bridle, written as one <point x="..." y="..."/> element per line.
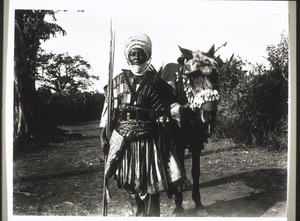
<point x="195" y="73"/>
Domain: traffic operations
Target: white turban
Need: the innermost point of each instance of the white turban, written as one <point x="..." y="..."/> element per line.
<point x="138" y="41"/>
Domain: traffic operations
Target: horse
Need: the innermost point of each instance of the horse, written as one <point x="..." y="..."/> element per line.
<point x="195" y="80"/>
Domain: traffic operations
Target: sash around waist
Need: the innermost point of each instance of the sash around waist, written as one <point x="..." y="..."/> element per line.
<point x="134" y="128"/>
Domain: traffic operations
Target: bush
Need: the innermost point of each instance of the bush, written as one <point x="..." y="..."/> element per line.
<point x="263" y="111"/>
<point x="230" y="77"/>
<point x="71" y="108"/>
<point x="253" y="107"/>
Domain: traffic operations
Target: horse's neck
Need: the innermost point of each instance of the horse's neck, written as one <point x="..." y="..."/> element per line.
<point x="179" y="89"/>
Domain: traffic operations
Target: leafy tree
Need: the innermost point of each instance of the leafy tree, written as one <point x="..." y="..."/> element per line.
<point x="278" y="56"/>
<point x="63" y="73"/>
<point x="30" y="29"/>
<point x="231" y="73"/>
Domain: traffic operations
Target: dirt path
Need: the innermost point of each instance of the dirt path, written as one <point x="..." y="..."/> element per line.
<point x="64" y="177"/>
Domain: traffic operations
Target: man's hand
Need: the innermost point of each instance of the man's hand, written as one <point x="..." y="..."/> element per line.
<point x="175" y="113"/>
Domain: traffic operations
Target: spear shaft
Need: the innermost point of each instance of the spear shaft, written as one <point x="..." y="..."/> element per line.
<point x="109" y="109"/>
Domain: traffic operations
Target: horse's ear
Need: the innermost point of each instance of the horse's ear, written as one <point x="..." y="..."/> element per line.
<point x="187" y="54"/>
<point x="211" y="51"/>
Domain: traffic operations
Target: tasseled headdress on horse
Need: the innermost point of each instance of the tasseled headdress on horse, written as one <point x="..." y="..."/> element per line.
<point x="199" y="74"/>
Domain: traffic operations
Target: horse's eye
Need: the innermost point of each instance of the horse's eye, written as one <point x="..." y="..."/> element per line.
<point x="206" y="61"/>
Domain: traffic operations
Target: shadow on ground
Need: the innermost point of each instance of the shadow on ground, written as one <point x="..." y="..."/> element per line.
<point x="254" y="205"/>
<point x="268" y="188"/>
<point x="265" y="179"/>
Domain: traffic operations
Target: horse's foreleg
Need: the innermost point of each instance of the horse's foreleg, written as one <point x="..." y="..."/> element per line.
<point x="196" y="151"/>
<point x="178" y="194"/>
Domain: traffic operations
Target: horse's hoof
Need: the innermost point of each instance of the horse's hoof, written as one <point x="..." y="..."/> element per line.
<point x="199" y="206"/>
<point x="200" y="211"/>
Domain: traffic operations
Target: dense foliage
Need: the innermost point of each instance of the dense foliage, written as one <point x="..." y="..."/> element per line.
<point x="71" y="108"/>
<point x="254" y="105"/>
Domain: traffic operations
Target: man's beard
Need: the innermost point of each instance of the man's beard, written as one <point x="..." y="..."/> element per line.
<point x="139" y="69"/>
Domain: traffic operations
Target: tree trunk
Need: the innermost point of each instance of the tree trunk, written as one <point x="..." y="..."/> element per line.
<point x="28" y="105"/>
<point x="21" y="128"/>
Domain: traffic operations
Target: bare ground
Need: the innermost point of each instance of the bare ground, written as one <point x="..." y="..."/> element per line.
<point x="63" y="176"/>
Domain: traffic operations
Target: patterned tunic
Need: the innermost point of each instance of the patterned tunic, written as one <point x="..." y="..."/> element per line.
<point x="147" y="164"/>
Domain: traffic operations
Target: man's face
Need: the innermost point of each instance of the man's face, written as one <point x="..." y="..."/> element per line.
<point x="137" y="56"/>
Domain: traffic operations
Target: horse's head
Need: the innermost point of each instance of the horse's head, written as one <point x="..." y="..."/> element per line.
<point x="199" y="76"/>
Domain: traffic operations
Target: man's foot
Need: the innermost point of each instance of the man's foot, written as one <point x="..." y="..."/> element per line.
<point x="139" y="213"/>
<point x="184" y="185"/>
<point x="140" y="206"/>
<point x="178" y="209"/>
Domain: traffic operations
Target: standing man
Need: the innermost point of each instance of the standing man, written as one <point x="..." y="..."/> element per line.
<point x="144" y="164"/>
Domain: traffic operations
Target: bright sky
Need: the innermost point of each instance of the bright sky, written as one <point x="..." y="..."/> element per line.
<point x="247" y="27"/>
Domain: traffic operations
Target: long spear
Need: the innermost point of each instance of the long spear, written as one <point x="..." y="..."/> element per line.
<point x="109" y="109"/>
